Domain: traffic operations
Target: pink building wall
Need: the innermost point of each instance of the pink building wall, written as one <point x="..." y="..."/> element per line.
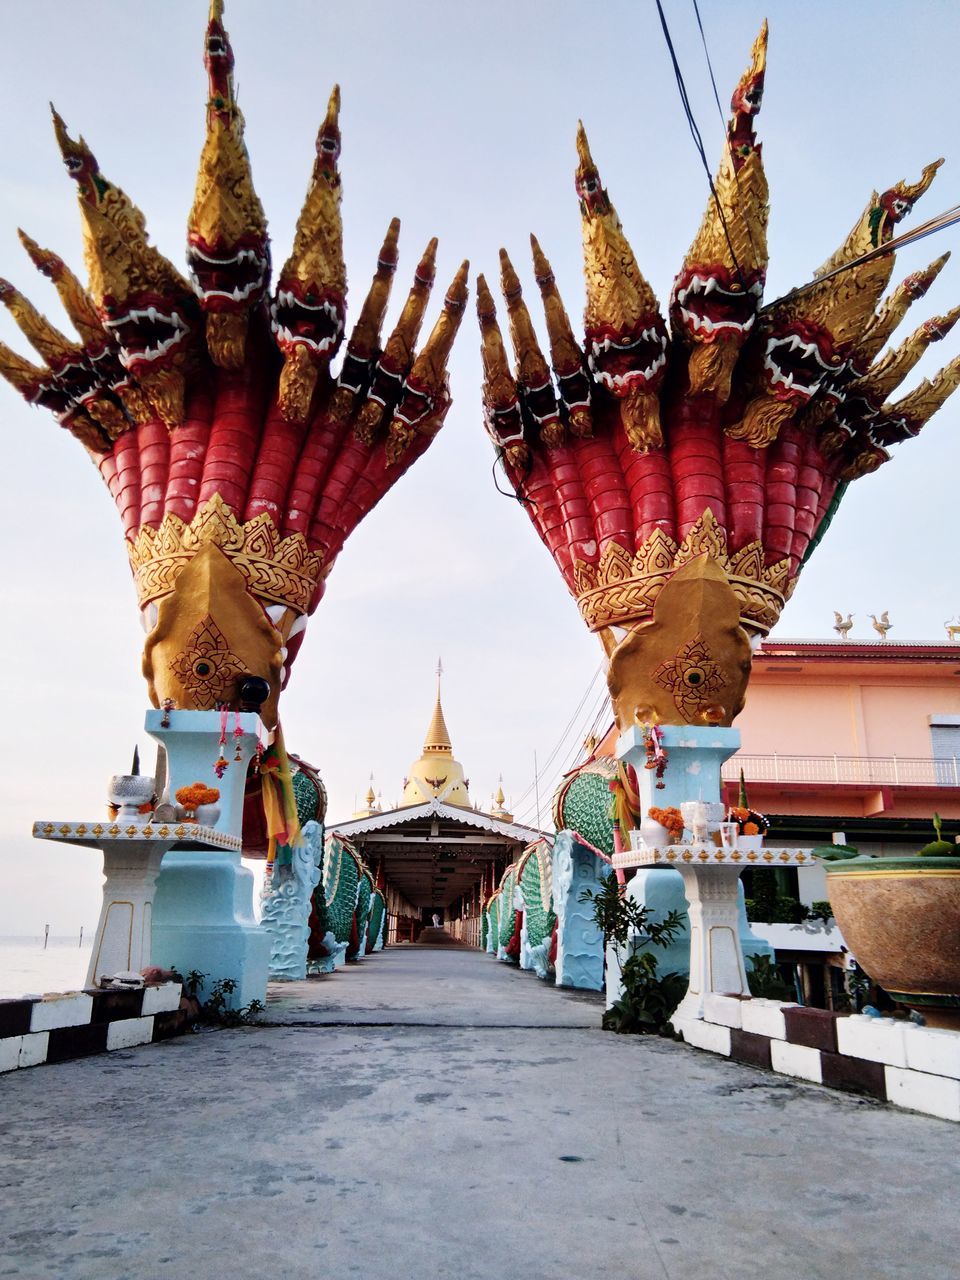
<point x="869" y="701"/>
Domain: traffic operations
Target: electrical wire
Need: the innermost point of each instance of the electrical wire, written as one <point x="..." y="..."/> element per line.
<point x="943" y="220"/>
<point x="706" y="51"/>
<point x="517" y="497"/>
<point x="588" y="727"/>
<point x="698" y="141"/>
<point x="563" y="737"/>
<point x="531" y="789"/>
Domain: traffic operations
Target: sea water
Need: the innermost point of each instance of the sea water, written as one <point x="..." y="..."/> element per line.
<point x="26" y="968"/>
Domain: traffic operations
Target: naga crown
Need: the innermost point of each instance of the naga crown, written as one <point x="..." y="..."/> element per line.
<point x="238" y="461"/>
<point x="681" y="477"/>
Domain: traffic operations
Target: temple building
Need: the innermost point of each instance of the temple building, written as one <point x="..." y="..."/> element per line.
<point x="435" y="853"/>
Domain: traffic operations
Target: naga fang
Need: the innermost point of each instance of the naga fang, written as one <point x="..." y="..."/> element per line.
<point x="238" y="461"/>
<point x="680" y="485"/>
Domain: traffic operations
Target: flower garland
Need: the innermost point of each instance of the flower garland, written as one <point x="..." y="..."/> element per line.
<point x="196" y="794"/>
<point x="656" y="752"/>
<point x="670" y="818"/>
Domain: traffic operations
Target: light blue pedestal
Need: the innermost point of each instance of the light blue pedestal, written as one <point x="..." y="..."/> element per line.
<point x="203" y="916"/>
<point x="203" y="920"/>
<point x="579" y="941"/>
<point x="696" y="754"/>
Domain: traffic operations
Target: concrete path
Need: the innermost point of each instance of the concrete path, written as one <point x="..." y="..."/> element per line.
<point x="463" y="1151"/>
<point x="435" y="987"/>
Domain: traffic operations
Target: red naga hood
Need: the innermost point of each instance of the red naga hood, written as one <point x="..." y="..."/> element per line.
<point x="681" y="479"/>
<point x="239" y="462"/>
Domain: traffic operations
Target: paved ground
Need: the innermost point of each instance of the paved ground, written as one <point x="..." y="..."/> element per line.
<point x="410" y="1148"/>
<point x="433" y="987"/>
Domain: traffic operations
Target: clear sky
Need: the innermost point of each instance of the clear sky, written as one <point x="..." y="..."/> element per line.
<point x="459" y="119"/>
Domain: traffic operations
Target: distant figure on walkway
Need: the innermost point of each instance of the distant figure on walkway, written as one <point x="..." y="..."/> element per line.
<point x="436" y="921"/>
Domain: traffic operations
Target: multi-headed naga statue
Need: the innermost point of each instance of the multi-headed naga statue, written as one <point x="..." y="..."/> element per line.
<point x="238" y="463"/>
<point x="681" y="478"/>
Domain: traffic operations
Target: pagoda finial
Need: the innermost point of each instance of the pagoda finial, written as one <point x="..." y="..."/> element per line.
<point x="438" y="735"/>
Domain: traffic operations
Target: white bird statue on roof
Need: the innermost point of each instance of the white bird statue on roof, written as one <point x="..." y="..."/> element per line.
<point x="842" y="625"/>
<point x="883" y="626"/>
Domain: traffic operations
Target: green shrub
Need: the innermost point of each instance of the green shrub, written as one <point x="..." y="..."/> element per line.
<point x="648" y="999"/>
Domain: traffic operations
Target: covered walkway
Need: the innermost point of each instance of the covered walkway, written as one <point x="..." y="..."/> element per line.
<point x="435" y="1114"/>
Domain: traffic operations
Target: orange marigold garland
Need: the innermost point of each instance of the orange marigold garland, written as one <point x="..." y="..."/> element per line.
<point x="670" y="818"/>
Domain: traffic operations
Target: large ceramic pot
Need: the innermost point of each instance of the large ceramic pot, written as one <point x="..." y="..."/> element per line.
<point x="901" y="919"/>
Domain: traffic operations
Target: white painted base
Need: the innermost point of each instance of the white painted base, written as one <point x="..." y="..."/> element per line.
<point x="796" y="1060"/>
<point x="716" y="961"/>
<point x="123" y="939"/>
<point x="933" y="1095"/>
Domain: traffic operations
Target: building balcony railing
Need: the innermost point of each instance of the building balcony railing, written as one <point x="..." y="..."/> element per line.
<point x="878" y="771"/>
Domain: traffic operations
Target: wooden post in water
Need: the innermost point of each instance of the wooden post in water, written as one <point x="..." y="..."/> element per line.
<point x="80" y="943"/>
<point x="46" y="935"/>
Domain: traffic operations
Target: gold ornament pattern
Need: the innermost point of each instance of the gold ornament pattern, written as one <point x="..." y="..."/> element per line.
<point x="692" y="677"/>
<point x="622" y="588"/>
<point x="278" y="570"/>
<point x="207" y="667"/>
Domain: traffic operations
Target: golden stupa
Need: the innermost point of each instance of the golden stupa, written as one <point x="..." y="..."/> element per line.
<point x="373" y="805"/>
<point x="436" y="775"/>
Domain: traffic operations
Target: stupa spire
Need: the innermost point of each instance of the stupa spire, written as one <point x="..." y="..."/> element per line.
<point x="438" y="735"/>
<point x="436" y="775"/>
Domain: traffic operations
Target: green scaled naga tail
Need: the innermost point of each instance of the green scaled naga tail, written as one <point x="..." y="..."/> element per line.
<point x="536" y="885"/>
<point x="358" y="947"/>
<point x="582" y="803"/>
<point x="508" y="887"/>
<point x="334" y="904"/>
<point x="378" y="920"/>
<point x="493" y="932"/>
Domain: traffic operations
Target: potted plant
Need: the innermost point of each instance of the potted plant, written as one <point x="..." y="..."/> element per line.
<point x="901" y="919"/>
<point x="751" y="825"/>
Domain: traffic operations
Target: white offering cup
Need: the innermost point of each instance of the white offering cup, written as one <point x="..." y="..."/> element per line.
<point x="728" y="835"/>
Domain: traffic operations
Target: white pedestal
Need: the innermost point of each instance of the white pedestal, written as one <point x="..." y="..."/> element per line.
<point x="132" y="854"/>
<point x="710" y="882"/>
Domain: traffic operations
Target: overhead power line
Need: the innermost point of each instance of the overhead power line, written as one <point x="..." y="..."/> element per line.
<point x="698" y="141"/>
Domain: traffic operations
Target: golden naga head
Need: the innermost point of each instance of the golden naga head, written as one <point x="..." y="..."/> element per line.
<point x="626" y="337"/>
<point x="426" y="393"/>
<point x="228" y="251"/>
<point x="309" y="306"/>
<point x="691" y="662"/>
<point x="716" y="296"/>
<point x="501" y="404"/>
<point x="811" y="336"/>
<point x="141" y="299"/>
